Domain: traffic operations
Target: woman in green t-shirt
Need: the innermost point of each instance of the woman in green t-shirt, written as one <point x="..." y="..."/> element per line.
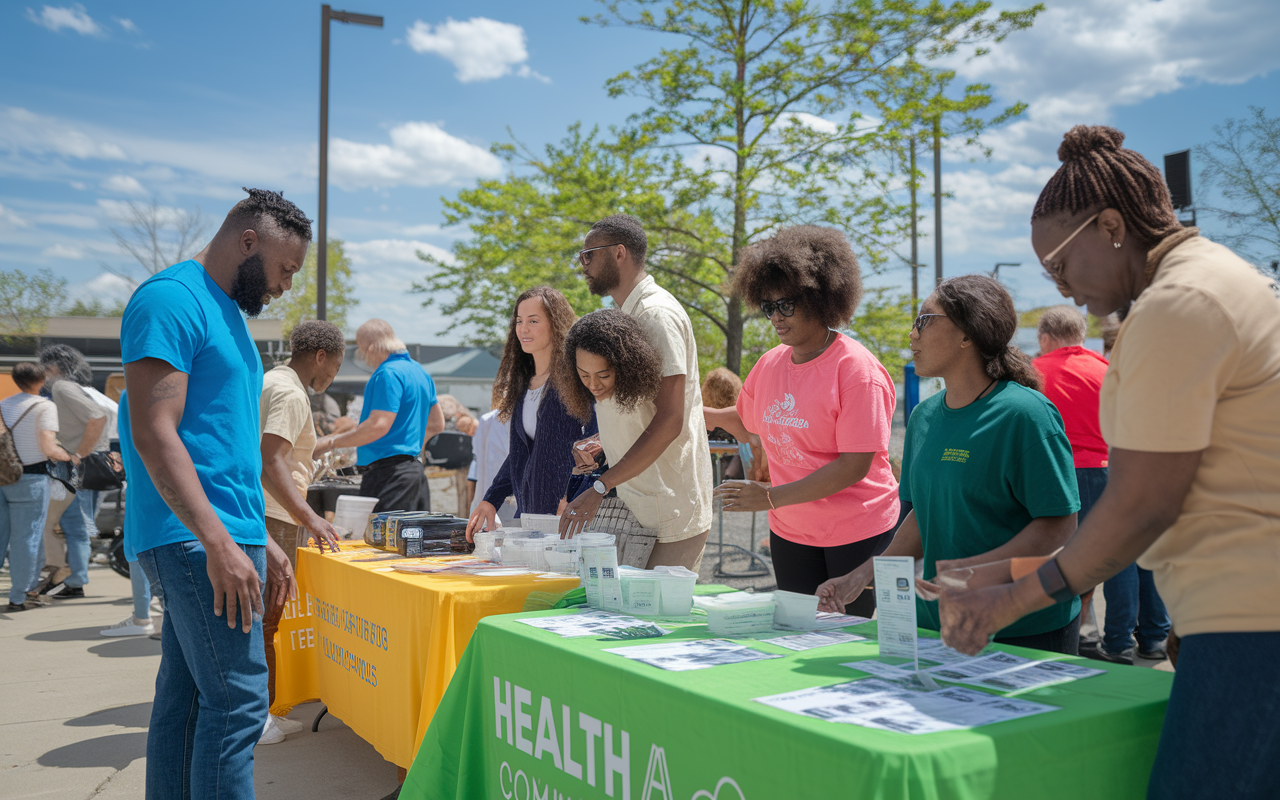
<point x="987" y="466"/>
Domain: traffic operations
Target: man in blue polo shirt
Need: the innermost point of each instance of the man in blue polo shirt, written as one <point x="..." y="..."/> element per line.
<point x="400" y="414"/>
<point x="194" y="378"/>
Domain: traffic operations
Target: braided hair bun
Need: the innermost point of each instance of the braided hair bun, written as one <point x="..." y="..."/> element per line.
<point x="1083" y="140"/>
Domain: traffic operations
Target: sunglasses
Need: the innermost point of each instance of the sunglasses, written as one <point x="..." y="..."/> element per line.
<point x="783" y="305"/>
<point x="584" y="256"/>
<point x="922" y="321"/>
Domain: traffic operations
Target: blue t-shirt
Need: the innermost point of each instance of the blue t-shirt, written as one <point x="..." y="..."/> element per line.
<point x="399" y="385"/>
<point x="182" y="317"/>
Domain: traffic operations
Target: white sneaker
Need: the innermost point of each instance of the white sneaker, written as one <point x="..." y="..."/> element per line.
<point x="287" y="725"/>
<point x="271" y="734"/>
<point x="130" y="627"/>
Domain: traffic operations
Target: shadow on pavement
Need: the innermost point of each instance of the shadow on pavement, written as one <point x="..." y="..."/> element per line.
<point x="117" y="750"/>
<point x="132" y="647"/>
<point x="137" y="715"/>
<point x="69" y="635"/>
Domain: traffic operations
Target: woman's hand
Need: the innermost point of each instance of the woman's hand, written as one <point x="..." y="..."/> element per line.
<point x="744" y="496"/>
<point x="578" y="514"/>
<point x="584" y="454"/>
<point x="971" y="618"/>
<point x="484" y="518"/>
<point x="836" y="593"/>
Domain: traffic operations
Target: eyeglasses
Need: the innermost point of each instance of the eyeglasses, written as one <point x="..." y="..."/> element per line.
<point x="1054" y="268"/>
<point x="584" y="256"/>
<point x="783" y="305"/>
<point x="922" y="321"/>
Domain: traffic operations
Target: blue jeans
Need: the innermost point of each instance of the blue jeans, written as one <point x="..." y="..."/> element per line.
<point x="22" y="511"/>
<point x="79" y="529"/>
<point x="1132" y="601"/>
<point x="211" y="691"/>
<point x="1090" y="481"/>
<point x="1221" y="735"/>
<point x="141" y="591"/>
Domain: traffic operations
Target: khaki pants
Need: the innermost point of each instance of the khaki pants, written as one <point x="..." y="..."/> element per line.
<point x="55" y="547"/>
<point x="685" y="553"/>
<point x="286" y="535"/>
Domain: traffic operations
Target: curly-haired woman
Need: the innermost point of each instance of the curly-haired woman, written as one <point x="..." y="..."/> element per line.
<point x="540" y="456"/>
<point x="610" y="366"/>
<point x="1189" y="410"/>
<point x="987" y="465"/>
<point x="823" y="408"/>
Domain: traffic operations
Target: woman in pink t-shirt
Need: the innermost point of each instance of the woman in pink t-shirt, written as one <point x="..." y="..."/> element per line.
<point x="823" y="408"/>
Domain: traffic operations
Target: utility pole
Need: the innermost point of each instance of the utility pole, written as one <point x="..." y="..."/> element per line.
<point x="937" y="201"/>
<point x="322" y="212"/>
<point x="915" y="253"/>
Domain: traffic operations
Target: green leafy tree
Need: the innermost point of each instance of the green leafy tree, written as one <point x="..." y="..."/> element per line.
<point x="1243" y="164"/>
<point x="299" y="302"/>
<point x="754" y="122"/>
<point x="882" y="324"/>
<point x="773" y="95"/>
<point x="96" y="307"/>
<point x="27" y="300"/>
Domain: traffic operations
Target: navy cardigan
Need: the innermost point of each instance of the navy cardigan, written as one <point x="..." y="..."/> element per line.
<point x="537" y="470"/>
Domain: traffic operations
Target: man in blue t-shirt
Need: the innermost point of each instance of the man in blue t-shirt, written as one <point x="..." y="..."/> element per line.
<point x="400" y="414"/>
<point x="194" y="378"/>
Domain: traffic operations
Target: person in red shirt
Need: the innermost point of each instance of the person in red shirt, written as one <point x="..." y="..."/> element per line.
<point x="1073" y="382"/>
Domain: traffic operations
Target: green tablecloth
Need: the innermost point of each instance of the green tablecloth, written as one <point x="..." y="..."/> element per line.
<point x="699" y="736"/>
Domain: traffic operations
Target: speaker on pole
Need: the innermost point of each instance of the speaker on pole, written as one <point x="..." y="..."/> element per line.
<point x="1177" y="175"/>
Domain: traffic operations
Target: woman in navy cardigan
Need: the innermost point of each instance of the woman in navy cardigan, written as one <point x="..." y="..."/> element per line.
<point x="540" y="458"/>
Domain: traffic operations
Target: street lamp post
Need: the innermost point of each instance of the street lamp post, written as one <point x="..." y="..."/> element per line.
<point x="322" y="223"/>
<point x="995" y="273"/>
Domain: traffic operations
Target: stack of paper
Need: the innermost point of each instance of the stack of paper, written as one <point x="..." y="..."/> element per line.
<point x="686" y="655"/>
<point x="878" y="704"/>
<point x="808" y="641"/>
<point x="596" y="623"/>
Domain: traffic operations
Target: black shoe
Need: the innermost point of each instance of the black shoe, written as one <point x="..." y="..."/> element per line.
<point x="17" y="607"/>
<point x="67" y="593"/>
<point x="1156" y="652"/>
<point x="1123" y="657"/>
<point x="1089" y="648"/>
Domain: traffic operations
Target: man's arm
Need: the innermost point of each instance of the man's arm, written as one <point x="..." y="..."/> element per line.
<point x="158" y="396"/>
<point x="277" y="478"/>
<point x="367" y="432"/>
<point x="92" y="430"/>
<point x="668" y="420"/>
<point x="435" y="423"/>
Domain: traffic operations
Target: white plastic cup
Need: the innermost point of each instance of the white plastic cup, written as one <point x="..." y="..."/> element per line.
<point x="795" y="611"/>
<point x="353" y="512"/>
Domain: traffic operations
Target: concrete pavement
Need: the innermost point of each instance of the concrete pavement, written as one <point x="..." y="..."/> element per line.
<point x="75" y="706"/>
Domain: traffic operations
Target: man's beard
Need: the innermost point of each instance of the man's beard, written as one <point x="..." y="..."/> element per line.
<point x="606" y="280"/>
<point x="249" y="288"/>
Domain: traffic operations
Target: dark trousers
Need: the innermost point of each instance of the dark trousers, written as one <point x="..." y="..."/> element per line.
<point x="1221" y="735"/>
<point x="1064" y="640"/>
<point x="399" y="483"/>
<point x="802" y="568"/>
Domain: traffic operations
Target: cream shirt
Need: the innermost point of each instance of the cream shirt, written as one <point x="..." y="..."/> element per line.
<point x="1196" y="366"/>
<point x="672" y="496"/>
<point x="285" y="411"/>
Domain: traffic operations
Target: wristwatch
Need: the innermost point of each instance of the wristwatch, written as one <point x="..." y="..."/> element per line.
<point x="600" y="487"/>
<point x="1053" y="582"/>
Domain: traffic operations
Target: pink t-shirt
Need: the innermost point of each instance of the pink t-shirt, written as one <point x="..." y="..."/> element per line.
<point x="806" y="415"/>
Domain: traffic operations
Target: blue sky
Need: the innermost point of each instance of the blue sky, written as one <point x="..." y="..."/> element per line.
<point x="102" y="103"/>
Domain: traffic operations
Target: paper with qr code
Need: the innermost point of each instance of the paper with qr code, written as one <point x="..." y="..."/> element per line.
<point x="896" y="607"/>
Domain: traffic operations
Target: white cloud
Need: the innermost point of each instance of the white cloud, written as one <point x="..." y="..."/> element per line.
<point x="816" y="123"/>
<point x="420" y="154"/>
<point x="73" y="17"/>
<point x="123" y="184"/>
<point x="10" y="219"/>
<point x="108" y="285"/>
<point x="480" y="49"/>
<point x="382" y="252"/>
<point x="23" y="130"/>
<point x="61" y="250"/>
<point x="128" y="25"/>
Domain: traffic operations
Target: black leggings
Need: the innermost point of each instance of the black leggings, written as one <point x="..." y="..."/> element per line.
<point x="1063" y="640"/>
<point x="802" y="568"/>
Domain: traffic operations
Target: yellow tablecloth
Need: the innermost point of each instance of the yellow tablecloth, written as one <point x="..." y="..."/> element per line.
<point x="379" y="647"/>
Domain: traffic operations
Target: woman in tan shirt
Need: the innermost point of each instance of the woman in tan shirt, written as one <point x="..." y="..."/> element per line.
<point x="1191" y="411"/>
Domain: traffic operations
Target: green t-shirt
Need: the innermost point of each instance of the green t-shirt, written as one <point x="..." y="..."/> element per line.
<point x="976" y="476"/>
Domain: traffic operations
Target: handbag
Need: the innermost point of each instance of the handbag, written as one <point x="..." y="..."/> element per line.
<point x="102" y="471"/>
<point x="10" y="463"/>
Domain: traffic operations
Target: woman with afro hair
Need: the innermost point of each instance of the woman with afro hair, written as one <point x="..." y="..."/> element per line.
<point x="822" y="406"/>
